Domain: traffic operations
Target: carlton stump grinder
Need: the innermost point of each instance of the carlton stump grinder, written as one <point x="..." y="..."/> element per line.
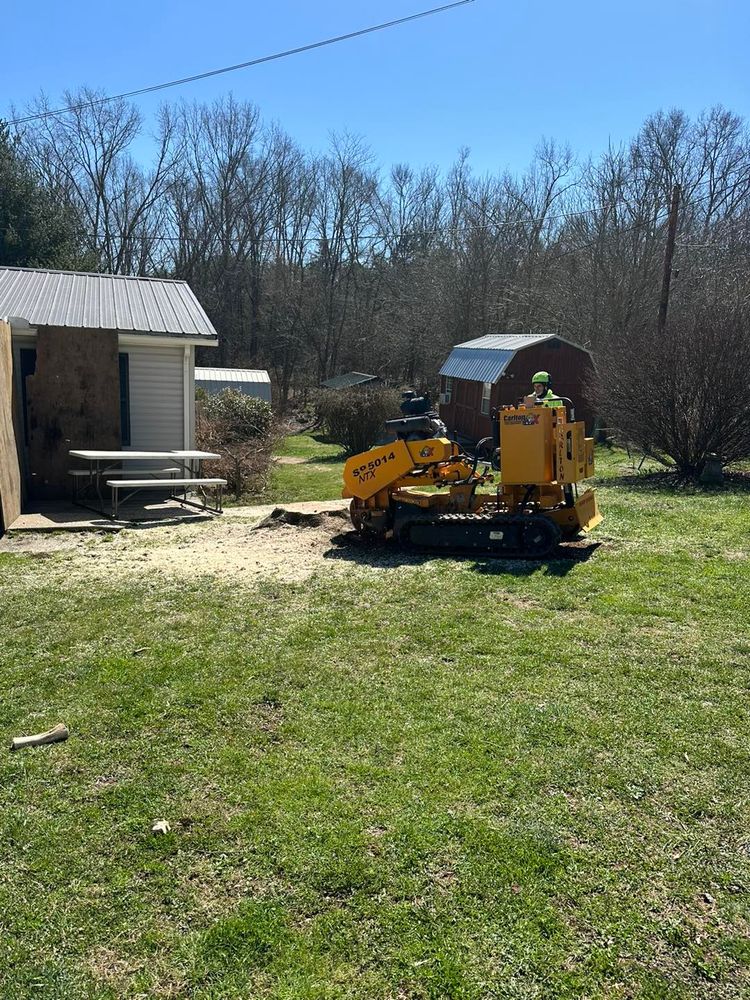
<point x="528" y="508"/>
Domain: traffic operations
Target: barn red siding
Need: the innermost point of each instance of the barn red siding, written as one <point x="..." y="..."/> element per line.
<point x="569" y="366"/>
<point x="463" y="415"/>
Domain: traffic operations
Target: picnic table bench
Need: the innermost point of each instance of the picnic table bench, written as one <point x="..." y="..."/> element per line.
<point x="140" y="484"/>
<point x="182" y="476"/>
<point x="85" y="473"/>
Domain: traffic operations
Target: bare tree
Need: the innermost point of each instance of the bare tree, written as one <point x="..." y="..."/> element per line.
<point x="312" y="265"/>
<point x="343" y="227"/>
<point x="676" y="396"/>
<point x="84" y="154"/>
<point x="220" y="209"/>
<point x="294" y="193"/>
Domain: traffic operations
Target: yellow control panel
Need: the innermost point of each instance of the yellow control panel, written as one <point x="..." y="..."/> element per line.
<point x="526" y="444"/>
<point x="539" y="446"/>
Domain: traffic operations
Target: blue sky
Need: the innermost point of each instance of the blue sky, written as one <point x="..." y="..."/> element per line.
<point x="494" y="76"/>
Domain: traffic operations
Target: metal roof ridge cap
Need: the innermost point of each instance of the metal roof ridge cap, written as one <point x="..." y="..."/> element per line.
<point x="94" y="274"/>
<point x="485" y="336"/>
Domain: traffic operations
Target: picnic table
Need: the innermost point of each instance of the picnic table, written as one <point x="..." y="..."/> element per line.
<point x="183" y="473"/>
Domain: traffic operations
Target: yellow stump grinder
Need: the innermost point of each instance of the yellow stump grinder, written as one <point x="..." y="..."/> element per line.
<point x="523" y="512"/>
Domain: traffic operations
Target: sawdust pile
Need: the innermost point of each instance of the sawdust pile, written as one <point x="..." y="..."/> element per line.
<point x="246" y="544"/>
<point x="288" y="543"/>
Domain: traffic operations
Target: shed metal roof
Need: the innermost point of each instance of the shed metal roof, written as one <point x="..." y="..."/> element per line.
<point x="103" y="302"/>
<point x="348" y="380"/>
<point x="484" y="359"/>
<point x="231" y="375"/>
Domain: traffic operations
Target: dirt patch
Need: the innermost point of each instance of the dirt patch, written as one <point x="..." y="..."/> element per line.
<point x="45" y="543"/>
<point x="289" y="543"/>
<point x="290" y="459"/>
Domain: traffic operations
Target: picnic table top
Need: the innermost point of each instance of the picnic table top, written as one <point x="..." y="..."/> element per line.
<point x="141" y="456"/>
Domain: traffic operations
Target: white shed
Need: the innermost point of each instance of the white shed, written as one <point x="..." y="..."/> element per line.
<point x="99" y="361"/>
<point x="250" y="381"/>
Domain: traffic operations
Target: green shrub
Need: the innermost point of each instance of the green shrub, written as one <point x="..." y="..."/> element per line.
<point x="241" y="430"/>
<point x="242" y="416"/>
<point x="354" y="418"/>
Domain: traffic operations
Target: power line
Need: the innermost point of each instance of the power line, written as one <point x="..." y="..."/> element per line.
<point x="242" y="65"/>
<point x="415" y="233"/>
<point x="420" y="233"/>
<point x="372" y="239"/>
<point x="460" y="230"/>
<point x="365" y="240"/>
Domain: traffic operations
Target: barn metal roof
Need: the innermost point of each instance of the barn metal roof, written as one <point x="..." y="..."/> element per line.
<point x="486" y="358"/>
<point x="507" y="341"/>
<point x="476" y="364"/>
<point x="102" y="302"/>
<point x="231" y="375"/>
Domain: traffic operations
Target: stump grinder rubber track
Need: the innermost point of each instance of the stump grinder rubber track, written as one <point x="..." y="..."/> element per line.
<point x="523" y="536"/>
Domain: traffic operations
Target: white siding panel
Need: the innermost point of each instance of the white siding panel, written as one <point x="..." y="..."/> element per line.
<point x="156" y="398"/>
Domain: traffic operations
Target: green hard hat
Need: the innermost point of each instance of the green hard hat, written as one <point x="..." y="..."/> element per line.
<point x="540" y="377"/>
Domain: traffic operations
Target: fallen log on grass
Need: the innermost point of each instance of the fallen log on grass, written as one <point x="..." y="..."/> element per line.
<point x="56" y="735"/>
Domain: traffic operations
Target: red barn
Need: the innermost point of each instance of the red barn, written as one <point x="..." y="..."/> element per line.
<point x="495" y="370"/>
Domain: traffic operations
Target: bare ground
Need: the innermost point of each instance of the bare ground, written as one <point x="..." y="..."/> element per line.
<point x="290" y="543"/>
<point x="230" y="546"/>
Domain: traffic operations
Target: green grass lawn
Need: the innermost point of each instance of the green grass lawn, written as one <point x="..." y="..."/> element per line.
<point x="318" y="477"/>
<point x="464" y="778"/>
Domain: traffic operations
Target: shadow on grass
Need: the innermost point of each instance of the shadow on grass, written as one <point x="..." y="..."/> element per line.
<point x="670" y="483"/>
<point x="348" y="546"/>
<point x="559" y="563"/>
<point x="325" y="459"/>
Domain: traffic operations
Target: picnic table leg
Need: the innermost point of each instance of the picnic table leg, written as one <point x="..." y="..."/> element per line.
<point x="98" y="479"/>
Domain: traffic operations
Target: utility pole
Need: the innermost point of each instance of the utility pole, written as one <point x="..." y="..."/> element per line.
<point x="671" y="231"/>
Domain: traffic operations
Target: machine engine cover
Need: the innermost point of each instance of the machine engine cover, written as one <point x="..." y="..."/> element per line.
<point x="374" y="470"/>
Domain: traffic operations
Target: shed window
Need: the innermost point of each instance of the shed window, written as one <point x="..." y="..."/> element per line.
<point x="486" y="391"/>
<point x="447" y="389"/>
<point x="124" y="399"/>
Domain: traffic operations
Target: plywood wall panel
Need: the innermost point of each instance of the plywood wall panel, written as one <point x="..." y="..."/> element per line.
<point x="73" y="401"/>
<point x="10" y="471"/>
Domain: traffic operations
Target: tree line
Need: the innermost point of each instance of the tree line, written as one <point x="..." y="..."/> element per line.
<point x="310" y="265"/>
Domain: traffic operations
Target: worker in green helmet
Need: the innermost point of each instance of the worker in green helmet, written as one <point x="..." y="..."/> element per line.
<point x="542" y="394"/>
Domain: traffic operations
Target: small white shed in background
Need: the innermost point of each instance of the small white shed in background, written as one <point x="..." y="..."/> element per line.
<point x="251" y="382"/>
